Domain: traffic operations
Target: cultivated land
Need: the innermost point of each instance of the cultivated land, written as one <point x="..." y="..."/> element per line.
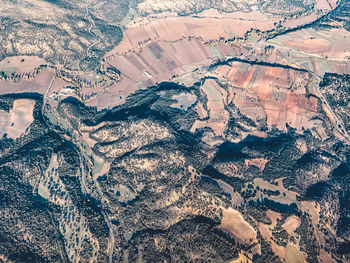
<point x="164" y="131"/>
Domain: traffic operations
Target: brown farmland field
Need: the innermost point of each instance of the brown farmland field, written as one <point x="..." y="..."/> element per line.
<point x="234" y="224"/>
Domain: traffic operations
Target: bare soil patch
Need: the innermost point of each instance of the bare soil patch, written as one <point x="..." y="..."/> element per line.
<point x="234" y="224"/>
<point x="14" y="123"/>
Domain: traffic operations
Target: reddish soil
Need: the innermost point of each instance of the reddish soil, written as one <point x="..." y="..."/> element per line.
<point x="259" y="163"/>
<point x="39" y="84"/>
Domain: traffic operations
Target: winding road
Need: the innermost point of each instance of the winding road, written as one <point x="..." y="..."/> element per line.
<point x="92" y="24"/>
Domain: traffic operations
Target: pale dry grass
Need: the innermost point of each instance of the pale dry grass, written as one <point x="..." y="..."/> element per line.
<point x="218" y="116"/>
<point x="293" y="255"/>
<point x="17" y="121"/>
<point x="324" y="257"/>
<point x="234" y="224"/>
<point x="291" y="224"/>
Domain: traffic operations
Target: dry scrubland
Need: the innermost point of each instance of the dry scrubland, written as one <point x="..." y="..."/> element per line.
<point x="245" y="161"/>
<point x="66" y="33"/>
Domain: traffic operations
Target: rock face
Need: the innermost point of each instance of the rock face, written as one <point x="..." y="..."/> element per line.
<point x="206" y="135"/>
